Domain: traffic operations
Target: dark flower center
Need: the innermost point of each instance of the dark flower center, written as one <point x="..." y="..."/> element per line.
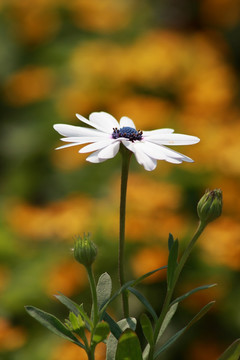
<point x="127" y="132"/>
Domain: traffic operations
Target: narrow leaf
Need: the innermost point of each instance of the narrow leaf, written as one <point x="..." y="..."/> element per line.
<point x="170" y="242"/>
<point x="183" y="297"/>
<point x="167" y="319"/>
<point x="101" y="332"/>
<point x="53" y="324"/>
<point x="169" y="343"/>
<point x="128" y="347"/>
<point x="147" y="329"/>
<point x="112" y="342"/>
<point x="104" y="289"/>
<point x="200" y="314"/>
<point x="232" y="352"/>
<point x="197" y="317"/>
<point x="172" y="263"/>
<point x="165" y="323"/>
<point x="144" y="301"/>
<point x="114" y="327"/>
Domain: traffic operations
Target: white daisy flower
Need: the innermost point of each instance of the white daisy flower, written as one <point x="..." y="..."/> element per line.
<point x="105" y="139"/>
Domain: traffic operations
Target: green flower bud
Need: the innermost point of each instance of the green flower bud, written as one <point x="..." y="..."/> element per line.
<point x="85" y="251"/>
<point x="76" y="322"/>
<point x="209" y="206"/>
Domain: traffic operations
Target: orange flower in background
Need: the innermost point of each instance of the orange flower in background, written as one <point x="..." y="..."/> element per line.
<point x="59" y="220"/>
<point x="33" y="23"/>
<point x="67" y="277"/>
<point x="149" y="259"/>
<point x="157" y="195"/>
<point x="221" y="243"/>
<point x="147" y="111"/>
<point x="70" y="351"/>
<point x="102" y="16"/>
<point x="72" y="99"/>
<point x="11" y="337"/>
<point x="29" y="85"/>
<point x="68" y="160"/>
<point x="204" y="350"/>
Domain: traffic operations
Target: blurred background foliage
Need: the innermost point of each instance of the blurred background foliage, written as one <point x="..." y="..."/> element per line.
<point x="168" y="63"/>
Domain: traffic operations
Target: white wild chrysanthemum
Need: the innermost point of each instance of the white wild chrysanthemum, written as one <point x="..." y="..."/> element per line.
<point x="106" y="135"/>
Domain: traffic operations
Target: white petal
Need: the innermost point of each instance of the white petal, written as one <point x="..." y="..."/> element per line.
<point x="173" y="161"/>
<point x="93" y="158"/>
<point x="96" y="145"/>
<point x="126" y="121"/>
<point x="66" y="146"/>
<point x="71" y="130"/>
<point x="148" y="162"/>
<point x="109" y="151"/>
<point x="157" y="132"/>
<point x="152" y="150"/>
<point x="173" y="139"/>
<point x="83" y="119"/>
<point x="172" y="154"/>
<point x="85" y="139"/>
<point x="103" y="121"/>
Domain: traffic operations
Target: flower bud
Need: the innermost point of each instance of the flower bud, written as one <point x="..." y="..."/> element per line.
<point x="209" y="206"/>
<point x="85" y="251"/>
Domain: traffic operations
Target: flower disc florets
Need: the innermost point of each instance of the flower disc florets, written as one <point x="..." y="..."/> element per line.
<point x="127" y="132"/>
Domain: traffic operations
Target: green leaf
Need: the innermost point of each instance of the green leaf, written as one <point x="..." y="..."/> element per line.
<point x="101" y="332"/>
<point x="200" y="314"/>
<point x="147" y="329"/>
<point x="75" y="308"/>
<point x="183" y="297"/>
<point x="172" y="263"/>
<point x="104" y="289"/>
<point x="197" y="317"/>
<point x="128" y="347"/>
<point x="232" y="352"/>
<point x="114" y="327"/>
<point x="71" y="305"/>
<point x="165" y="323"/>
<point x="112" y="342"/>
<point x="53" y="324"/>
<point x="170" y="241"/>
<point x="145" y="302"/>
<point x="167" y="319"/>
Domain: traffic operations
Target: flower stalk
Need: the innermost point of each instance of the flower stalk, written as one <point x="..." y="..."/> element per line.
<point x="126" y="156"/>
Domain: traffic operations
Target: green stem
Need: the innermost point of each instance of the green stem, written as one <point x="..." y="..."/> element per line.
<point x="178" y="270"/>
<point x="94" y="295"/>
<point x="126" y="155"/>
